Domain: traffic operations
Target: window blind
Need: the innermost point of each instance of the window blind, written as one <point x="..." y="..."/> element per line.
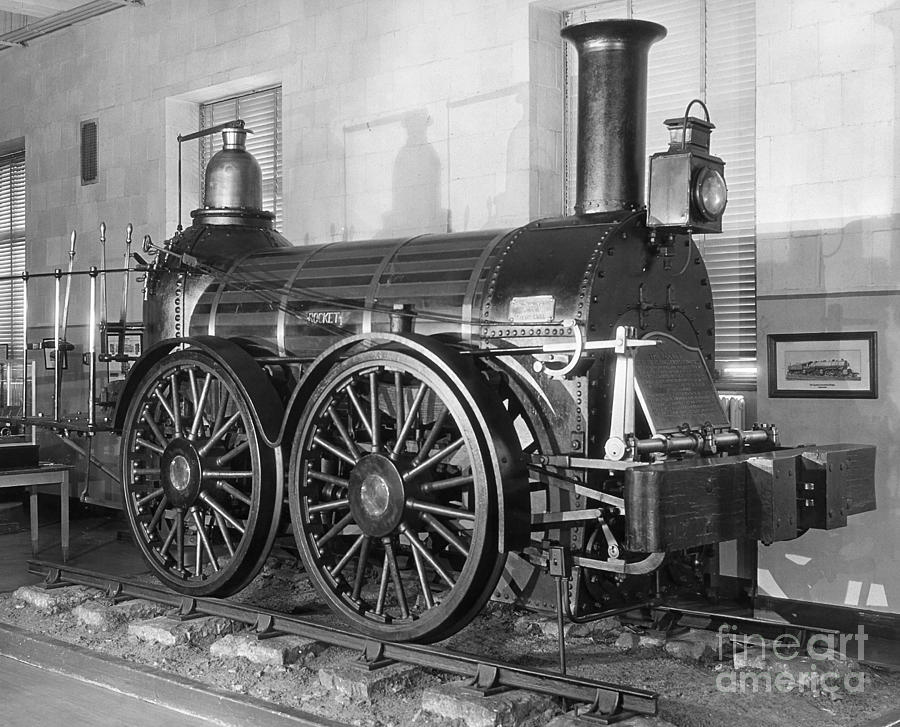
<point x="709" y="53"/>
<point x="12" y="248"/>
<point x="261" y="111"/>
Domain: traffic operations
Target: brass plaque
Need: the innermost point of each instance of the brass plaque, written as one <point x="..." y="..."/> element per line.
<point x="532" y="309"/>
<point x="675" y="387"/>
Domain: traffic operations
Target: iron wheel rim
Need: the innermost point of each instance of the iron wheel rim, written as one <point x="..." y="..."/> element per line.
<point x="198" y="486"/>
<point x="432" y="570"/>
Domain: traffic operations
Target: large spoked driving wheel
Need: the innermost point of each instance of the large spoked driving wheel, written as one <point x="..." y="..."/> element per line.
<point x="199" y="484"/>
<point x="393" y="498"/>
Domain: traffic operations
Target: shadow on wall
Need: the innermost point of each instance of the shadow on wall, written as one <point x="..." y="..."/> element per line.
<point x="416" y="182"/>
<point x="860" y="264"/>
<point x="472" y="155"/>
<point x="508" y="202"/>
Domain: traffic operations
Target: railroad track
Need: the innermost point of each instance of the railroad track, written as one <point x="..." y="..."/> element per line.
<point x="602" y="700"/>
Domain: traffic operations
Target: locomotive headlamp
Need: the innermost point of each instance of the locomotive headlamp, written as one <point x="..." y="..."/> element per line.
<point x="710" y="193"/>
<point x="687" y="184"/>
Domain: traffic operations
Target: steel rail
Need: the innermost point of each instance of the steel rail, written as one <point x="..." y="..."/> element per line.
<point x="606" y="698"/>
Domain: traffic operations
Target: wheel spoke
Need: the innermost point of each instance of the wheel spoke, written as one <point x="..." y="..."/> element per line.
<point x="448" y="484"/>
<point x="354" y="400"/>
<point x="328" y="506"/>
<point x="375" y="411"/>
<point x="218" y="508"/>
<point x="176" y="404"/>
<point x="395" y="577"/>
<point x="335" y="450"/>
<point x="232" y="453"/>
<point x="361" y="567"/>
<point x="226" y="474"/>
<point x="450" y="512"/>
<point x="164" y="550"/>
<point x="351" y="551"/>
<point x="165" y="405"/>
<point x="434" y="459"/>
<point x="201" y="533"/>
<point x="423" y="579"/>
<point x="157" y="516"/>
<point x="192" y="380"/>
<point x="226" y="536"/>
<point x="233" y="491"/>
<point x="433" y="436"/>
<point x="223" y="406"/>
<point x="342" y="430"/>
<point x="141" y="442"/>
<point x="330" y="479"/>
<point x="152" y="496"/>
<point x="154" y="427"/>
<point x="198" y="554"/>
<point x="179" y="537"/>
<point x="199" y="406"/>
<point x="398" y="386"/>
<point x="416" y="544"/>
<point x="335" y="529"/>
<point x="219" y="433"/>
<point x="410" y="418"/>
<point x="441" y="530"/>
<point x="383" y="584"/>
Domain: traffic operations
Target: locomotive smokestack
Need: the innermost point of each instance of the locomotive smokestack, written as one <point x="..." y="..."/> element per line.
<point x="612" y="110"/>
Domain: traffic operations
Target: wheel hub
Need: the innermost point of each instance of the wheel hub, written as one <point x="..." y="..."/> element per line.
<point x="376" y="495"/>
<point x="181" y="472"/>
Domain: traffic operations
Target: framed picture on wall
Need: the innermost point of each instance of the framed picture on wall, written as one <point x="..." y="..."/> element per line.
<point x="824" y="365"/>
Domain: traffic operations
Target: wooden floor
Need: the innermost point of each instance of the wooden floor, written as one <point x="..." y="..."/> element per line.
<point x="34" y="697"/>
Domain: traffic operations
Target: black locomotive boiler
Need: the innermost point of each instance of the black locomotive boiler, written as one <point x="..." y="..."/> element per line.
<point x="424" y="412"/>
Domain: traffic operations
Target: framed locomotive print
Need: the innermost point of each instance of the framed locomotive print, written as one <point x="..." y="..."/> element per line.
<point x="825" y="365"/>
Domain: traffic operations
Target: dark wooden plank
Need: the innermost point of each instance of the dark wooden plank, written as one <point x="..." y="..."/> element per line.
<point x="685" y="504"/>
<point x="848" y="473"/>
<point x="772" y="497"/>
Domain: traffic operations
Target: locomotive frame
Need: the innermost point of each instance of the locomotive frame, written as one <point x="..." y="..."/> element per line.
<point x="446" y="419"/>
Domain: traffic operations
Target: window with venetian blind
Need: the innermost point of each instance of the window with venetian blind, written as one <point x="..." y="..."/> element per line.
<point x="261" y="112"/>
<point x="710" y="54"/>
<point x="12" y="247"/>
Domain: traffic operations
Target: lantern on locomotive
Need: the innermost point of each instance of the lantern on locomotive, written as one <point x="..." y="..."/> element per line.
<point x="687" y="183"/>
<point x="441" y="407"/>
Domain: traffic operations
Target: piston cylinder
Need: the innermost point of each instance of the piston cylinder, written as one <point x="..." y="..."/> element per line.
<point x="612" y="110"/>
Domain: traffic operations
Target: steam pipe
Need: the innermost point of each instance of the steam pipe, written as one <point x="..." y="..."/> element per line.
<point x="612" y="112"/>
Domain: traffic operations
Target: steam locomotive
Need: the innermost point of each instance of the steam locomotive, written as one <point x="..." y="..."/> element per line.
<point x="429" y="411"/>
<point x="839" y="367"/>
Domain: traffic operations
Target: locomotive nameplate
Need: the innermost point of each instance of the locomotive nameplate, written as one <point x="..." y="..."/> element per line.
<point x="532" y="309"/>
<point x="675" y="387"/>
